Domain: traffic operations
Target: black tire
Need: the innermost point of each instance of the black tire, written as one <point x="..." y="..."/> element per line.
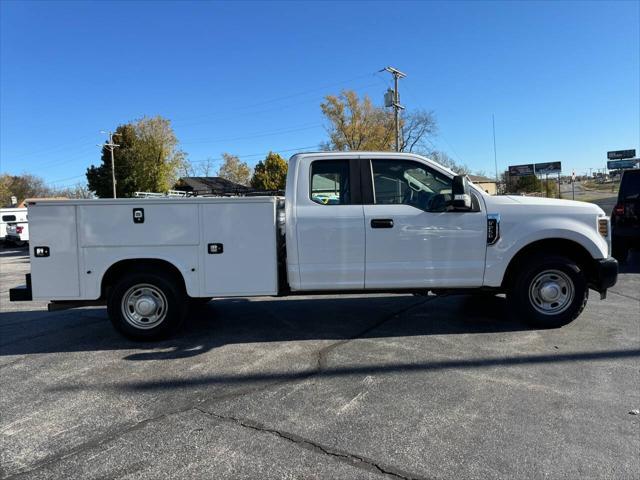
<point x="154" y="287"/>
<point x="620" y="249"/>
<point x="540" y="278"/>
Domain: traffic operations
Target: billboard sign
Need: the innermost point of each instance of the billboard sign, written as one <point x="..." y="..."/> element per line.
<point x="547" y="168"/>
<point x="620" y="154"/>
<point x="521" y="170"/>
<point x="620" y="164"/>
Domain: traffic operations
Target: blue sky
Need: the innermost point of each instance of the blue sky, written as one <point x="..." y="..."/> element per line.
<point x="562" y="79"/>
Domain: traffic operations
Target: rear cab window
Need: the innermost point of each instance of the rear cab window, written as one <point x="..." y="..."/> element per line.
<point x="330" y="182"/>
<point x="8" y="218"/>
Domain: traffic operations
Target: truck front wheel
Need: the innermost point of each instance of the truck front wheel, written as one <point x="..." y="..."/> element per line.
<point x="146" y="305"/>
<point x="548" y="291"/>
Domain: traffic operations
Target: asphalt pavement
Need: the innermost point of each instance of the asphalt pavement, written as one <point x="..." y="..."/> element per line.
<point x="350" y="387"/>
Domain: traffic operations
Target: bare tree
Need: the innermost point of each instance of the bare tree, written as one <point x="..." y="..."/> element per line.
<point x="417" y="127"/>
<point x="444" y="159"/>
<point x="206" y="167"/>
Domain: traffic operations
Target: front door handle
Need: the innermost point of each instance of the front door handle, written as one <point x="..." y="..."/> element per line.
<point x="382" y="223"/>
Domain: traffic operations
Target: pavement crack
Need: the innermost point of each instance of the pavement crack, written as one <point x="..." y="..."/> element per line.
<point x="623" y="295"/>
<point x="355" y="460"/>
<point x="96" y="442"/>
<point x="323" y="353"/>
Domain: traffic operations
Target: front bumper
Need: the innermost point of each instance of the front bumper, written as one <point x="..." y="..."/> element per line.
<point x="23" y="293"/>
<point x="605" y="274"/>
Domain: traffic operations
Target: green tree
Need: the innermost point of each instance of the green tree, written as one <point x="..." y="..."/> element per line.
<point x="99" y="177"/>
<point x="234" y="170"/>
<point x="270" y="174"/>
<point x="157" y="156"/>
<point x="528" y="184"/>
<point x="147" y="159"/>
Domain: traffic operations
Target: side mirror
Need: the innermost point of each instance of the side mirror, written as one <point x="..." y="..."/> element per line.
<point x="461" y="194"/>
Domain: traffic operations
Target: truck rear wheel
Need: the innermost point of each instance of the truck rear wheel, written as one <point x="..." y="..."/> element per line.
<point x="548" y="291"/>
<point x="147" y="305"/>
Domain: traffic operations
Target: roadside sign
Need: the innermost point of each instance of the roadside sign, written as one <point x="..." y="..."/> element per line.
<point x="547" y="168"/>
<point x="521" y="170"/>
<point x="620" y="154"/>
<point x="619" y="164"/>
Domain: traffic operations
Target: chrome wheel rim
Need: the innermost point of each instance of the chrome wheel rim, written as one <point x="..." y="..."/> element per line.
<point x="551" y="292"/>
<point x="144" y="306"/>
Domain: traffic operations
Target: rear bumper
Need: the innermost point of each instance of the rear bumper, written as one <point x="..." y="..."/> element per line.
<point x="605" y="274"/>
<point x="22" y="293"/>
<point x="12" y="238"/>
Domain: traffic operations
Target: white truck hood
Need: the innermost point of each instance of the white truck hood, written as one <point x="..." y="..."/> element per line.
<point x="551" y="206"/>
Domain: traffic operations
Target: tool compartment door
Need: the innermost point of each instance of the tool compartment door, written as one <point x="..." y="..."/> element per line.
<point x="56" y="276"/>
<point x="238" y="241"/>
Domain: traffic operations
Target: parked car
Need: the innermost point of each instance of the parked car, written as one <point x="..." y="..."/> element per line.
<point x="17" y="234"/>
<point x="11" y="215"/>
<point x="349" y="222"/>
<point x="625" y="218"/>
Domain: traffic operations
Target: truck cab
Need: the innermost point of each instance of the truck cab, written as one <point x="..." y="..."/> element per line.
<point x="380" y="221"/>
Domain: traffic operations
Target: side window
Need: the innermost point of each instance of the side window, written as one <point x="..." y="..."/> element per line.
<point x="330" y="182"/>
<point x="410" y="183"/>
<point x="8" y="218"/>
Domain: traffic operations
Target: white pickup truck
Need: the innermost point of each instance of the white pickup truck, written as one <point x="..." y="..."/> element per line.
<point x="13" y="225"/>
<point x="349" y="222"/>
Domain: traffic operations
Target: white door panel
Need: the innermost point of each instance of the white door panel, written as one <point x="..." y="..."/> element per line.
<point x="332" y="244"/>
<point x="444" y="249"/>
<point x="329" y="226"/>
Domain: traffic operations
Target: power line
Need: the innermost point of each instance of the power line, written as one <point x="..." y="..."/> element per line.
<point x="73" y="145"/>
<point x="213" y="119"/>
<point x="277" y="99"/>
<point x="56" y="163"/>
<point x="261" y="154"/>
<point x="53" y="182"/>
<point x="57" y="148"/>
<point x="257" y="135"/>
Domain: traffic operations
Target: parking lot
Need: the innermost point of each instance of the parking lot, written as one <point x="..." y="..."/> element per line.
<point x="322" y="387"/>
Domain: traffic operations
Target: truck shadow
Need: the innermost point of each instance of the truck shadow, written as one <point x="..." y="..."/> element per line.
<point x="240" y="321"/>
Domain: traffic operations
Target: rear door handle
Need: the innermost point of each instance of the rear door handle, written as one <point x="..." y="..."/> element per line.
<point x="382" y="223"/>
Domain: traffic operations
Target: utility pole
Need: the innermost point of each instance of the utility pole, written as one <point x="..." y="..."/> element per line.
<point x="495" y="154"/>
<point x="111" y="147"/>
<point x="397" y="74"/>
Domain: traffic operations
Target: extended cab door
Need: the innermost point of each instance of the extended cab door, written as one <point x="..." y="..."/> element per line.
<point x="413" y="240"/>
<point x="329" y="226"/>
